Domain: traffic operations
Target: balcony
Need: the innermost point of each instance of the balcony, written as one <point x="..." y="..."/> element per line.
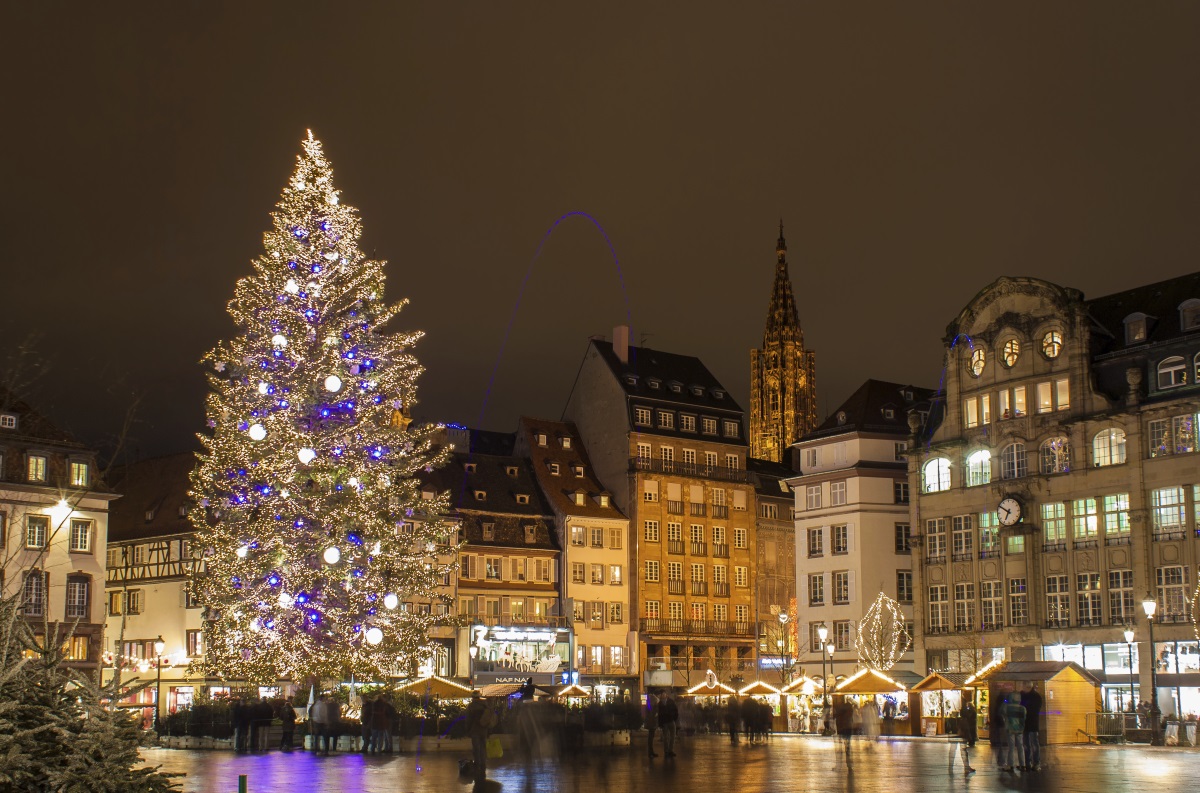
<point x="720" y="510"/>
<point x="964" y="627"/>
<point x="697" y="510"/>
<point x="697" y="627"/>
<point x="721" y="589"/>
<point x="1019" y="621"/>
<point x="1087" y="622"/>
<point x="1173" y="618"/>
<point x="675" y="546"/>
<point x="1084" y="544"/>
<point x="988" y="627"/>
<point x="700" y="588"/>
<point x="963" y="557"/>
<point x="1058" y="622"/>
<point x="699" y="549"/>
<point x="675" y="587"/>
<point x="989" y="553"/>
<point x="1161" y="535"/>
<point x="935" y="559"/>
<point x="939" y="629"/>
<point x="720" y="550"/>
<point x="675" y="507"/>
<point x="1120" y="539"/>
<point x="699" y="470"/>
<point x="1054" y="546"/>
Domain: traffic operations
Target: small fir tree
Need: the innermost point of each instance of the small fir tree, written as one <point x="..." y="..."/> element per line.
<point x="314" y="526"/>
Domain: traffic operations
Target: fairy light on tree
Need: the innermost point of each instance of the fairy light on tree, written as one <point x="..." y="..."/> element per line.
<point x="882" y="637"/>
<point x="309" y="471"/>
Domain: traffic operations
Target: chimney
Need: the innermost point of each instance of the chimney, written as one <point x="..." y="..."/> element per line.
<point x="621" y="343"/>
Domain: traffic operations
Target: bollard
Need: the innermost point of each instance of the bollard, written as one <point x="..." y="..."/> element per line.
<point x="242" y="783"/>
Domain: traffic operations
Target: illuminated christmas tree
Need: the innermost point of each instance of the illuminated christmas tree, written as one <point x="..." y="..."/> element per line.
<point x="314" y="528"/>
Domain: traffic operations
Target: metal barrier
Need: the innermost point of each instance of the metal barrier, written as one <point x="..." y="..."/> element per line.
<point x="1106" y="727"/>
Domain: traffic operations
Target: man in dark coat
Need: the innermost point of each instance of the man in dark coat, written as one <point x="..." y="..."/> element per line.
<point x="968" y="733"/>
<point x="240" y="712"/>
<point x="668" y="721"/>
<point x="366" y="713"/>
<point x="477" y="728"/>
<point x="1032" y="701"/>
<point x="651" y="721"/>
<point x="381" y="725"/>
<point x="287" y="717"/>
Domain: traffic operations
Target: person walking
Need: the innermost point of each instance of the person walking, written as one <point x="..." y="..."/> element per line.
<point x="843" y="717"/>
<point x="316" y="723"/>
<point x="240" y="711"/>
<point x="366" y="713"/>
<point x="331" y="715"/>
<point x="477" y="728"/>
<point x="668" y="720"/>
<point x="1032" y="702"/>
<point x="651" y="721"/>
<point x="733" y="717"/>
<point x="381" y="725"/>
<point x="287" y="718"/>
<point x="1014" y="729"/>
<point x="968" y="733"/>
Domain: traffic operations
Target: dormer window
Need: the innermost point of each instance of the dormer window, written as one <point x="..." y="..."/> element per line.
<point x="641" y="416"/>
<point x="541" y="439"/>
<point x="565" y="441"/>
<point x="530" y="535"/>
<point x="149" y="515"/>
<point x="489" y="531"/>
<point x="578" y="470"/>
<point x="718" y="393"/>
<point x="553" y="468"/>
<point x="522" y="498"/>
<point x="469" y="467"/>
<point x="8" y="421"/>
<point x="697" y="391"/>
<point x="580" y="498"/>
<point x="427" y="494"/>
<point x="80" y="474"/>
<point x="631" y="379"/>
<point x="603" y="498"/>
<point x="1189" y="315"/>
<point x="908" y="395"/>
<point x="889" y="413"/>
<point x="1136" y="328"/>
<point x="36" y="468"/>
<point x="666" y="419"/>
<point x="654" y="383"/>
<point x="183" y="510"/>
<point x="481" y="495"/>
<point x="511" y="470"/>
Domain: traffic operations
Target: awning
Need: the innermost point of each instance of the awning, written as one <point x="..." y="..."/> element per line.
<point x="943" y="681"/>
<point x="757" y="689"/>
<point x="868" y="681"/>
<point x="572" y="690"/>
<point x="705" y="690"/>
<point x="797" y="685"/>
<point x="435" y="687"/>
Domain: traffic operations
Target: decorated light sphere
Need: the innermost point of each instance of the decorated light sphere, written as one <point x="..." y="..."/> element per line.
<point x="390" y="600"/>
<point x="374" y="636"/>
<point x="291" y="287"/>
<point x="333" y="384"/>
<point x="332" y="555"/>
<point x="242" y="551"/>
<point x="284" y="600"/>
<point x="257" y="432"/>
<point x="306" y="455"/>
<point x="279" y="341"/>
<point x="263" y="388"/>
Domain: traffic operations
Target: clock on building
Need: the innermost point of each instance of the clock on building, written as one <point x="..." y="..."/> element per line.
<point x="1009" y="511"/>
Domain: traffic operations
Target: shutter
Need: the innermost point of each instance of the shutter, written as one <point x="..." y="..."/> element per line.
<point x="739" y="499"/>
<point x="506" y="609"/>
<point x="850" y="538"/>
<point x="650" y="486"/>
<point x="802" y="595"/>
<point x="850" y="585"/>
<point x="506" y="569"/>
<point x="480" y="605"/>
<point x="696" y="493"/>
<point x="674" y="491"/>
<point x="553" y="565"/>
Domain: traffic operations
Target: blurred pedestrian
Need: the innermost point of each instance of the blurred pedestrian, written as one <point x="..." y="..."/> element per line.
<point x="477" y="723"/>
<point x="381" y="725"/>
<point x="365" y="715"/>
<point x="733" y="717"/>
<point x="967" y="733"/>
<point x="651" y="721"/>
<point x="668" y="720"/>
<point x="843" y="716"/>
<point x="1031" y="700"/>
<point x="287" y="718"/>
<point x="1014" y="732"/>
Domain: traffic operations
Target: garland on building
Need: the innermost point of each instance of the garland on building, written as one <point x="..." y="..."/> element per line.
<point x="882" y="636"/>
<point x="314" y="527"/>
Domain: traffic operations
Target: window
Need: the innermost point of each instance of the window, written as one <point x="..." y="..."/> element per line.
<point x="597" y="537"/>
<point x="689" y="456"/>
<point x="1172" y="372"/>
<point x="935" y="540"/>
<point x="1062" y="394"/>
<point x="133" y="601"/>
<point x="740" y="538"/>
<point x="812" y="458"/>
<point x="1167" y="512"/>
<point x="641" y="416"/>
<point x="652" y="570"/>
<point x="195" y="643"/>
<point x="1085" y="523"/>
<point x="80" y="475"/>
<point x="769" y="511"/>
<point x="710" y="461"/>
<point x="971" y="413"/>
<point x="1176" y="435"/>
<point x="35" y="594"/>
<point x="900" y="492"/>
<point x="1054" y="524"/>
<point x="812" y="494"/>
<point x="1052" y="344"/>
<point x="904" y="586"/>
<point x="1108" y="447"/>
<point x="615" y="613"/>
<point x="1015" y="544"/>
<point x="840" y="539"/>
<point x="964" y="607"/>
<point x="666" y="420"/>
<point x="578" y="535"/>
<point x="816" y="544"/>
<point x="492" y="566"/>
<point x="1045" y="398"/>
<point x="963" y="539"/>
<point x="578" y="572"/>
<point x="81" y="536"/>
<point x="674" y="532"/>
<point x="687" y="423"/>
<point x="542" y="569"/>
<point x="667" y="453"/>
<point x="37" y="529"/>
<point x="36" y="468"/>
<point x="935" y="476"/>
<point x="708" y="426"/>
<point x="816" y="589"/>
<point x="77" y="598"/>
<point x="979" y="468"/>
<point x="978" y="361"/>
<point x="989" y="535"/>
<point x="1087" y="598"/>
<point x="1013" y="461"/>
<point x="991" y="613"/>
<point x="1120" y="597"/>
<point x="1018" y="602"/>
<point x="741" y="576"/>
<point x="938" y="609"/>
<point x="1055" y="456"/>
<point x="843" y="637"/>
<point x="1010" y="352"/>
<point x="903" y="536"/>
<point x="675" y="610"/>
<point x="651" y="609"/>
<point x="1135" y="328"/>
<point x="837" y="493"/>
<point x="651" y="530"/>
<point x="1116" y="515"/>
<point x="1012" y="403"/>
<point x="616" y="538"/>
<point x="901" y="450"/>
<point x="614" y="575"/>
<point x="597" y="574"/>
<point x="8" y="421"/>
<point x="1058" y="602"/>
<point x="731" y="462"/>
<point x="644" y="453"/>
<point x="741" y="614"/>
<point x="489" y="531"/>
<point x="731" y="428"/>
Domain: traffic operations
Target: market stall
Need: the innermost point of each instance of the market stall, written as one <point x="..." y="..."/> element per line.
<point x="710" y="692"/>
<point x="1069" y="693"/>
<point x="888" y="697"/>
<point x="802" y="701"/>
<point x="941" y="697"/>
<point x="768" y="694"/>
<point x="434" y="687"/>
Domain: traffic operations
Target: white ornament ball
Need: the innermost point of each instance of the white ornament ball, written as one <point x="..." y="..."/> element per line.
<point x="333" y="384"/>
<point x="284" y="600"/>
<point x="242" y="551"/>
<point x="262" y="388"/>
<point x="332" y="555"/>
<point x="279" y="341"/>
<point x="353" y="481"/>
<point x="390" y="600"/>
<point x="374" y="636"/>
<point x="306" y="456"/>
<point x="291" y="287"/>
<point x="257" y="432"/>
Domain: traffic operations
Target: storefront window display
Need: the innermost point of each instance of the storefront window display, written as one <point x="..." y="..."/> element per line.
<point x="520" y="650"/>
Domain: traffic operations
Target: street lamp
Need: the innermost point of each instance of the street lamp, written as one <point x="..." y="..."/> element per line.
<point x="1129" y="647"/>
<point x="823" y="634"/>
<point x="829" y="648"/>
<point x="159" y="646"/>
<point x="474" y="651"/>
<point x="785" y="669"/>
<point x="1150" y="605"/>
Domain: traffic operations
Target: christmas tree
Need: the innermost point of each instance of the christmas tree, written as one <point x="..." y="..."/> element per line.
<point x="314" y="527"/>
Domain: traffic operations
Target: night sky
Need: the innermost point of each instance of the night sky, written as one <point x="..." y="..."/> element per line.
<point x="916" y="152"/>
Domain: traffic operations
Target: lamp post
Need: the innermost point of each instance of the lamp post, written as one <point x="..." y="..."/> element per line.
<point x="1129" y="647"/>
<point x="823" y="634"/>
<point x="829" y="648"/>
<point x="473" y="651"/>
<point x="159" y="646"/>
<point x="785" y="669"/>
<point x="1150" y="605"/>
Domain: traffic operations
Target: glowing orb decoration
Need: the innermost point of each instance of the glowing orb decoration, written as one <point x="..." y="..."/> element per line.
<point x="255" y="625"/>
<point x="390" y="600"/>
<point x="332" y="555"/>
<point x="242" y="551"/>
<point x="374" y="636"/>
<point x="257" y="432"/>
<point x="882" y="638"/>
<point x="306" y="456"/>
<point x="291" y="287"/>
<point x="263" y="388"/>
<point x="353" y="482"/>
<point x="279" y="341"/>
<point x="333" y="384"/>
<point x="284" y="600"/>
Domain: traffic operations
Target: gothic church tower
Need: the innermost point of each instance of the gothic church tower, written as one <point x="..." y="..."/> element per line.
<point x="783" y="375"/>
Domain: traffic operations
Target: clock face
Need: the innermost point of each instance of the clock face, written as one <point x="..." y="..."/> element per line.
<point x="1009" y="511"/>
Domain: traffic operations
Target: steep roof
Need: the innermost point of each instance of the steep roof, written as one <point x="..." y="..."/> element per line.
<point x="769" y="477"/>
<point x="649" y="366"/>
<point x="32" y="426"/>
<point x="1160" y="301"/>
<point x="783" y="321"/>
<point x="156" y="487"/>
<point x="867" y="410"/>
<point x="560" y="488"/>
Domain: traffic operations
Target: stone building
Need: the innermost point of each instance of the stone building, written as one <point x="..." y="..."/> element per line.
<point x="667" y="440"/>
<point x="783" y="374"/>
<point x="1061" y="489"/>
<point x="774" y="568"/>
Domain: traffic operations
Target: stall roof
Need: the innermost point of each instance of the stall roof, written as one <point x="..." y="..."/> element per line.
<point x="573" y="690"/>
<point x="1035" y="671"/>
<point x="500" y="689"/>
<point x="799" y="683"/>
<point x="705" y="690"/>
<point x="757" y="689"/>
<point x="868" y="681"/>
<point x="436" y="687"/>
<point x="943" y="681"/>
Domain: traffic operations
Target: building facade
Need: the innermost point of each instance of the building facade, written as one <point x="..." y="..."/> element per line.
<point x="1061" y="489"/>
<point x="775" y="570"/>
<point x="852" y="518"/>
<point x="667" y="441"/>
<point x="594" y="537"/>
<point x="53" y="531"/>
<point x="783" y="374"/>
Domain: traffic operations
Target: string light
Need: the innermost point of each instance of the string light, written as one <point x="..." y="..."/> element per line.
<point x="882" y="636"/>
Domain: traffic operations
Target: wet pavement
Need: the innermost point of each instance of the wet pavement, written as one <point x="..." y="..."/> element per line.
<point x="705" y="763"/>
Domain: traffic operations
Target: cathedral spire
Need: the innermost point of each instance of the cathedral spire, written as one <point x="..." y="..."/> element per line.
<point x="781" y="245"/>
<point x="783" y="321"/>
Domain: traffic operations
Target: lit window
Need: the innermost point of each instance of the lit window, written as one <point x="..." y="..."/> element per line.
<point x="1011" y="352"/>
<point x="1172" y="372"/>
<point x="37" y="529"/>
<point x="81" y="536"/>
<point x="687" y="423"/>
<point x="1135" y="328"/>
<point x="709" y="426"/>
<point x="1189" y="314"/>
<point x="1108" y="447"/>
<point x="37" y="468"/>
<point x="1013" y="461"/>
<point x="978" y="361"/>
<point x="1056" y="456"/>
<point x="1052" y="344"/>
<point x="8" y="421"/>
<point x="641" y="416"/>
<point x="731" y="429"/>
<point x="666" y="420"/>
<point x="979" y="468"/>
<point x="936" y="475"/>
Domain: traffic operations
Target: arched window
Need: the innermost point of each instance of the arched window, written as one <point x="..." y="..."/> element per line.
<point x="1056" y="456"/>
<point x="1172" y="372"/>
<point x="936" y="475"/>
<point x="35" y="593"/>
<point x="1011" y="352"/>
<point x="978" y="361"/>
<point x="774" y="400"/>
<point x="1013" y="461"/>
<point x="979" y="468"/>
<point x="1052" y="344"/>
<point x="1189" y="314"/>
<point x="1108" y="447"/>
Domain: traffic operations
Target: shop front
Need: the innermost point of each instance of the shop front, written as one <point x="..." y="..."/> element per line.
<point x="517" y="653"/>
<point x="942" y="695"/>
